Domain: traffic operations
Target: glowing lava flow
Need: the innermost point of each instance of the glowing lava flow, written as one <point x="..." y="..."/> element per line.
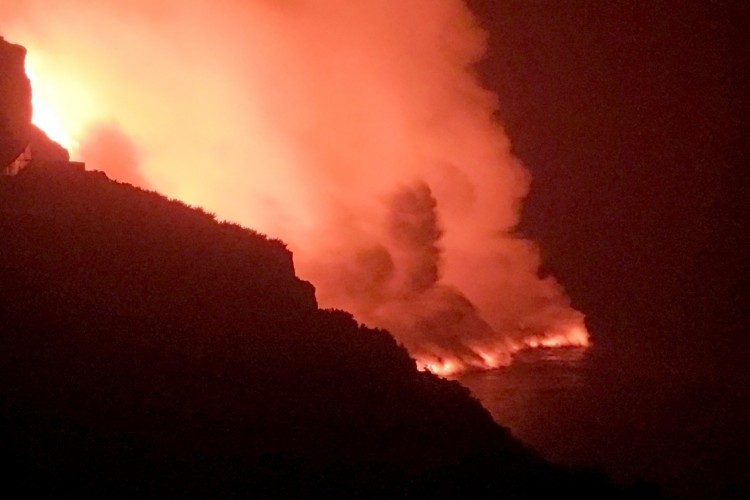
<point x="502" y="354"/>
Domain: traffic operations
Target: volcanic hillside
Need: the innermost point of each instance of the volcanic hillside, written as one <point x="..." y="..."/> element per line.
<point x="148" y="349"/>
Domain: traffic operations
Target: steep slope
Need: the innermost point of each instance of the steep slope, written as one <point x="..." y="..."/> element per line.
<point x="147" y="349"/>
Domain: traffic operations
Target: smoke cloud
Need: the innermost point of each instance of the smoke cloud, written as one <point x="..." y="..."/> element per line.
<point x="108" y="148"/>
<point x="356" y="131"/>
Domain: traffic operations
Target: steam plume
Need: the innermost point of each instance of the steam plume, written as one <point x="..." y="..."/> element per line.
<point x="110" y="149"/>
<point x="354" y="130"/>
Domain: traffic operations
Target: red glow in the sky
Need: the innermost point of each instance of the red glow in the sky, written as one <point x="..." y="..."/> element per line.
<point x="48" y="109"/>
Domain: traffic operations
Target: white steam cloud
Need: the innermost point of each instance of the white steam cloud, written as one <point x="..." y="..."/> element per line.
<point x="355" y="130"/>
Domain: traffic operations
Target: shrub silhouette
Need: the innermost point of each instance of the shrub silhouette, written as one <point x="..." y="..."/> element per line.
<point x="148" y="349"/>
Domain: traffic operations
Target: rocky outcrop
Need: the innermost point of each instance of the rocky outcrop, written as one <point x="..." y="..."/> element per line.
<point x="15" y="89"/>
<point x="16" y="129"/>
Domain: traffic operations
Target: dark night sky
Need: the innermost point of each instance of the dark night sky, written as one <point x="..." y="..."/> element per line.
<point x="629" y="116"/>
<point x="632" y="118"/>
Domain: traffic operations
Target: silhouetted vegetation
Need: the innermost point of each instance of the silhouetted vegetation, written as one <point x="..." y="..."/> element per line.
<point x="148" y="349"/>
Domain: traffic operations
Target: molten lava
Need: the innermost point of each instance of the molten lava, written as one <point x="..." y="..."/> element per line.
<point x="502" y="354"/>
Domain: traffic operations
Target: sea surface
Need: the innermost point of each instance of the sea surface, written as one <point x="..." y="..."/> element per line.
<point x="535" y="379"/>
<point x="576" y="408"/>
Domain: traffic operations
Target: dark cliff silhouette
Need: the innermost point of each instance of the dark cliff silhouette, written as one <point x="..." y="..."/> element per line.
<point x="147" y="349"/>
<point x="16" y="129"/>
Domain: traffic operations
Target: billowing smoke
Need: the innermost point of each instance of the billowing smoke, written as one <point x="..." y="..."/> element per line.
<point x="110" y="150"/>
<point x="355" y="130"/>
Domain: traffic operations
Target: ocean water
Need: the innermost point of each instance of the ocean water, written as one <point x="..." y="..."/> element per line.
<point x="574" y="411"/>
<point x="689" y="436"/>
<point x="536" y="379"/>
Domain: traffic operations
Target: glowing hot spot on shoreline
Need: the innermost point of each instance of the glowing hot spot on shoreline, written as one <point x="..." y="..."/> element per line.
<point x="502" y="354"/>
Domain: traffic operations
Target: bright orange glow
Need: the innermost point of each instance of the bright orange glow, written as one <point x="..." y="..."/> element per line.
<point x="355" y="131"/>
<point x="502" y="354"/>
<point x="62" y="107"/>
<point x="45" y="114"/>
<point x="440" y="367"/>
